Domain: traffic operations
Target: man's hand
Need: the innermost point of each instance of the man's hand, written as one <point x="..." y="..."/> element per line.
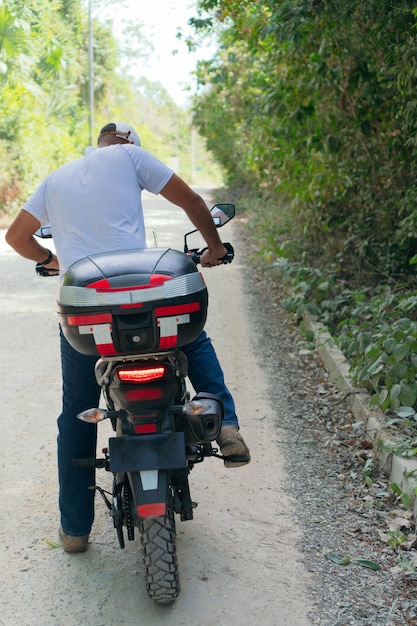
<point x="179" y="193"/>
<point x="53" y="265"/>
<point x="211" y="258"/>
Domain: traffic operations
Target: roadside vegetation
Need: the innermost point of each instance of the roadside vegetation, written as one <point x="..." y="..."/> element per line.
<point x="45" y="100"/>
<point x="310" y="107"/>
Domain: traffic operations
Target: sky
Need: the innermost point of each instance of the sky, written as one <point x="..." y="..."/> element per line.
<point x="161" y="20"/>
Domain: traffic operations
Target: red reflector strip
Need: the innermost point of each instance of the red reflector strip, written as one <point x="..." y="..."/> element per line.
<point x="158" y="279"/>
<point x="162" y="311"/>
<point x="106" y="349"/>
<point x="155" y="510"/>
<point x="135" y="305"/>
<point x="103" y="285"/>
<point x="100" y="284"/>
<point x="168" y="342"/>
<point x="89" y="320"/>
<point x="140" y="375"/>
<point x="143" y="394"/>
<point x="144" y="429"/>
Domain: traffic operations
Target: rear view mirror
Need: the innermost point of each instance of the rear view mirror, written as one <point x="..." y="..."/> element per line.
<point x="222" y="213"/>
<point x="44" y="232"/>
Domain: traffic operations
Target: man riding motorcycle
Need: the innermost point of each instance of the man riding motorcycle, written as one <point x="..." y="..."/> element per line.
<point x="93" y="205"/>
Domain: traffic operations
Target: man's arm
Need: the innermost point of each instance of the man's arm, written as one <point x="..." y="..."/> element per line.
<point x="179" y="193"/>
<point x="20" y="237"/>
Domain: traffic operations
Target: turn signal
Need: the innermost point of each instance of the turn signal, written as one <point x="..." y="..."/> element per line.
<point x="195" y="407"/>
<point x="92" y="416"/>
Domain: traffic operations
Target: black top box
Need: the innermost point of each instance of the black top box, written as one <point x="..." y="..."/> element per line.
<point x="132" y="302"/>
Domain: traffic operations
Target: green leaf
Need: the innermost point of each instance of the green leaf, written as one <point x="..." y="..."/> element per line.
<point x="373" y="351"/>
<point x="340" y="560"/>
<point x="384" y="399"/>
<point x="400" y="351"/>
<point x="369" y="564"/>
<point x="397" y="371"/>
<point x="408" y="395"/>
<point x="395" y="391"/>
<point x="396" y="489"/>
<point x="406" y="500"/>
<point x="389" y="345"/>
<point x="324" y="286"/>
<point x="376" y="368"/>
<point x="383" y="395"/>
<point x="374" y="400"/>
<point x="405" y="411"/>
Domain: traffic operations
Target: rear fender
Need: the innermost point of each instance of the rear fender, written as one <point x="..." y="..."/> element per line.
<point x="148" y="461"/>
<point x="150" y="492"/>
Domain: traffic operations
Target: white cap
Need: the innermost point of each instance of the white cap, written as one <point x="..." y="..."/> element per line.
<point x="121" y="130"/>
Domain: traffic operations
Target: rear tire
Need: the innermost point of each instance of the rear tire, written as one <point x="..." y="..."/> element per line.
<point x="158" y="536"/>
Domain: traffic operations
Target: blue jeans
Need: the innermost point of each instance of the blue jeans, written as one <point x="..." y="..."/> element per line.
<point x="77" y="440"/>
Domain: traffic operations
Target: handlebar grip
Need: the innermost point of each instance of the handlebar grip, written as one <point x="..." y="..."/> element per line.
<point x="41" y="270"/>
<point x="195" y="255"/>
<point x="230" y="254"/>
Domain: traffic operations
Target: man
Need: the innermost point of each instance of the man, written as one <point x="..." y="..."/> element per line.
<point x="93" y="205"/>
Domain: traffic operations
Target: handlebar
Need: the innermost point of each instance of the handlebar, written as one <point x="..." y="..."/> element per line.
<point x="195" y="255"/>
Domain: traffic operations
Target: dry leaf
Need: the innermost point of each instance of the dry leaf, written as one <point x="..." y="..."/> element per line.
<point x="397" y="523"/>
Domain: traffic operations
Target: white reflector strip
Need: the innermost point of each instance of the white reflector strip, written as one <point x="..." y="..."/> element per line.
<point x="168" y="326"/>
<point x="101" y="332"/>
<point x="102" y="337"/>
<point x="177" y="287"/>
<point x="149" y="479"/>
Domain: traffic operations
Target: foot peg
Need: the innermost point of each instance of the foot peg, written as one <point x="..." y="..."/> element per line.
<point x="236" y="460"/>
<point x="91" y="462"/>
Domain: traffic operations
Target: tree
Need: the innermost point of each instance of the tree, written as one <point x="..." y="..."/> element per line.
<point x="318" y="100"/>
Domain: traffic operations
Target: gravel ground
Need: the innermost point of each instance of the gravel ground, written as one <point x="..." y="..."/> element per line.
<point x="325" y="453"/>
<point x="324" y="493"/>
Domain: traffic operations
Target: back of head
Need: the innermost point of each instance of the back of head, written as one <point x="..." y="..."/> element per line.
<point x="118" y="132"/>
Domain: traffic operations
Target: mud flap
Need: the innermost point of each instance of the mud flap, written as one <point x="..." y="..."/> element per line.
<point x="147" y="461"/>
<point x="150" y="492"/>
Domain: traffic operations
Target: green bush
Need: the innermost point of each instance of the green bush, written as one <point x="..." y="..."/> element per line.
<point x="376" y="329"/>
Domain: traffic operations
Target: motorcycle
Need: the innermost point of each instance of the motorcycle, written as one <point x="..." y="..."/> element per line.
<point x="135" y="310"/>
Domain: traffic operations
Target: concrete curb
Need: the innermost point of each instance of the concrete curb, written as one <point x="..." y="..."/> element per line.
<point x="398" y="468"/>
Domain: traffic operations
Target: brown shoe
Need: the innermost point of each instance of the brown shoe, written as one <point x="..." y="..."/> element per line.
<point x="72" y="544"/>
<point x="233" y="447"/>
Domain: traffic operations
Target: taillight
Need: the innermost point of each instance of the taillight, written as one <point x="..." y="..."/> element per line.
<point x="145" y="423"/>
<point x="137" y="374"/>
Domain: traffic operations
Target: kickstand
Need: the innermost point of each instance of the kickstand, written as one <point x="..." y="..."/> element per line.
<point x="104" y="496"/>
<point x="213" y="452"/>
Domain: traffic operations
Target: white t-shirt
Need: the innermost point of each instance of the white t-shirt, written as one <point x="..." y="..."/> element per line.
<point x="93" y="204"/>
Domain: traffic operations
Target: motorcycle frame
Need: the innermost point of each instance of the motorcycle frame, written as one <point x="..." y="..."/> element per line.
<point x="151" y="468"/>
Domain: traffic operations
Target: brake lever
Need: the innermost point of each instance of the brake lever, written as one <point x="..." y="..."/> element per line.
<point x="230" y="254"/>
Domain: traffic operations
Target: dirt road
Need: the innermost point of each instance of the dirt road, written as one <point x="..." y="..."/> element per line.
<point x="239" y="560"/>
